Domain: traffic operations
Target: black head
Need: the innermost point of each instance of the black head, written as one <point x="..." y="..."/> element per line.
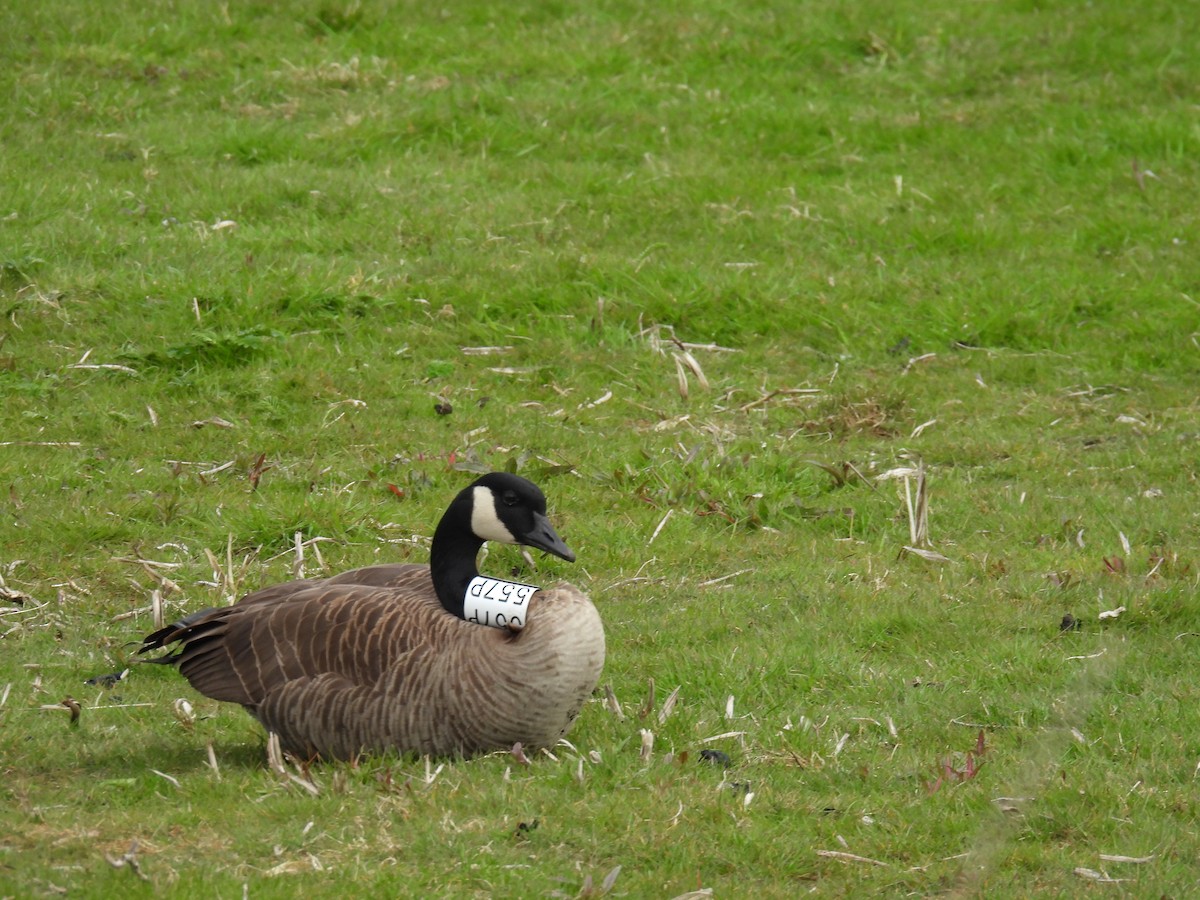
<point x="512" y="510"/>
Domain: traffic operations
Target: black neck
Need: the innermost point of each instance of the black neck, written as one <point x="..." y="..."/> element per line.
<point x="452" y="559"/>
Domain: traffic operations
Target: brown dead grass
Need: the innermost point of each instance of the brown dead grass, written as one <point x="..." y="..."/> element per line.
<point x="840" y="417"/>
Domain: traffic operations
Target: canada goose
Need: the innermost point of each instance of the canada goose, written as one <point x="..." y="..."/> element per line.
<point x="382" y="658"/>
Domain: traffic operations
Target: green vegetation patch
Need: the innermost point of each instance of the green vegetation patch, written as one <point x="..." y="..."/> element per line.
<point x="855" y="347"/>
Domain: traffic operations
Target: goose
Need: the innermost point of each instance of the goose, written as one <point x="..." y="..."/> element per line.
<point x="416" y="659"/>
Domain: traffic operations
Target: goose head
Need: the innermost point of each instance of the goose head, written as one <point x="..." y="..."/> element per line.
<point x="497" y="507"/>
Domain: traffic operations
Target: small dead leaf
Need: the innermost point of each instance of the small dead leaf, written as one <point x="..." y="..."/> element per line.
<point x="73" y="705"/>
<point x="518" y="753"/>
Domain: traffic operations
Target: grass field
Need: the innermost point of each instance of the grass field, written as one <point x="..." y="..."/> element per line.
<point x="715" y="275"/>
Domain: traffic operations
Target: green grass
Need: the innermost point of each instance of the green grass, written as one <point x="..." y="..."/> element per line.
<point x="241" y="231"/>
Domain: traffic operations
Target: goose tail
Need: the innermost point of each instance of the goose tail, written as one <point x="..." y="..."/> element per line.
<point x="161" y="639"/>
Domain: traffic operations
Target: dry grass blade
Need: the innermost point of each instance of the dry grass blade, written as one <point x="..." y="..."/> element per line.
<point x="216" y="469"/>
<point x="1134" y="860"/>
<point x="930" y="555"/>
<point x="298" y="561"/>
<point x="13" y="596"/>
<point x="156" y="608"/>
<point x="723" y="735"/>
<point x="648" y="706"/>
<point x="212" y="761"/>
<point x="924" y="357"/>
<point x="724" y="578"/>
<point x="612" y="704"/>
<point x="647" y="744"/>
<point x="778" y="392"/>
<point x="681" y="380"/>
<point x="849" y="857"/>
<point x="610" y="879"/>
<point x="838" y="477"/>
<point x="918" y="509"/>
<point x="898" y="472"/>
<point x="603" y="398"/>
<point x="431" y="773"/>
<point x="685" y="361"/>
<point x="662" y="522"/>
<point x="275" y="755"/>
<point x="916" y="432"/>
<point x="23" y="611"/>
<point x="1099" y="877"/>
<point x="306" y="783"/>
<point x="40" y="444"/>
<point x="668" y="706"/>
<point x="107" y="367"/>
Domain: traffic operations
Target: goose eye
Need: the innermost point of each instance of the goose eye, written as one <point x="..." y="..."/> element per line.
<point x="509" y="498"/>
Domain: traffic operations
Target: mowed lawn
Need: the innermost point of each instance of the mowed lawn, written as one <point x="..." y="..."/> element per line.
<point x="855" y="346"/>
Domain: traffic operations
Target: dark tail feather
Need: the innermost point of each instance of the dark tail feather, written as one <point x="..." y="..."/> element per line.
<point x="173" y="632"/>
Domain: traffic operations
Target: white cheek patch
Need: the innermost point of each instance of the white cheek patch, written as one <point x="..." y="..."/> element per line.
<point x="484" y="521"/>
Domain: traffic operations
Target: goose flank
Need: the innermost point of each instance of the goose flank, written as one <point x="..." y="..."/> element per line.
<point x="381" y="658"/>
